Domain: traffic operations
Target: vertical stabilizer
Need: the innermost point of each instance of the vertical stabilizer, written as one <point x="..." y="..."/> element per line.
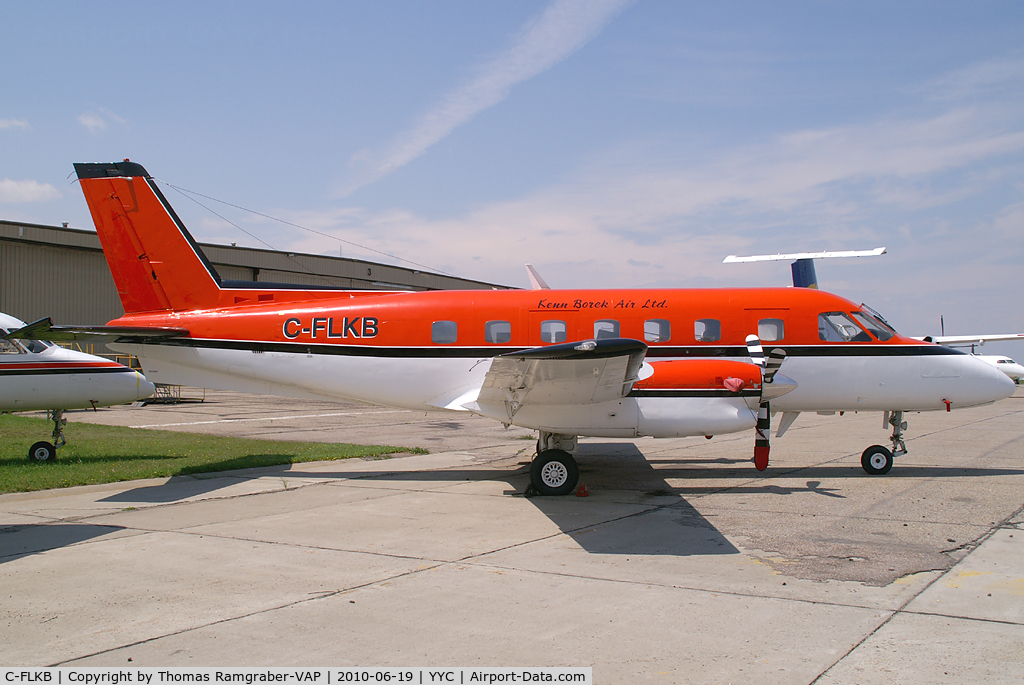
<point x="156" y="264"/>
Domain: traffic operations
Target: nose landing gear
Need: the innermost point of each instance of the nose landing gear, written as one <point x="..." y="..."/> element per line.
<point x="47" y="451"/>
<point x="877" y="460"/>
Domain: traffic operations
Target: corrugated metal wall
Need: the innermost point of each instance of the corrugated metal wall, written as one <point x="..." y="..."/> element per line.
<point x="72" y="286"/>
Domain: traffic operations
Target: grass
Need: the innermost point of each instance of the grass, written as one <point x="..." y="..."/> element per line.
<point x="110" y="454"/>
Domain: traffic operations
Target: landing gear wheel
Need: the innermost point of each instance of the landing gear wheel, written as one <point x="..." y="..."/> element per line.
<point x="42" y="451"/>
<point x="554" y="472"/>
<point x="876" y="460"/>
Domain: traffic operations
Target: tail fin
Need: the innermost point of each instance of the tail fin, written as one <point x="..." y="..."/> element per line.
<point x="155" y="263"/>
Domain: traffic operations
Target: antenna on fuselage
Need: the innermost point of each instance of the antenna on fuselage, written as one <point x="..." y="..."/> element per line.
<point x="803" y="267"/>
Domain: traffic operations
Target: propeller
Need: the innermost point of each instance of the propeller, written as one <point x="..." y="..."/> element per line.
<point x="769" y="367"/>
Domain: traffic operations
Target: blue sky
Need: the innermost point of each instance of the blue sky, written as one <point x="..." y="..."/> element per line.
<point x="609" y="143"/>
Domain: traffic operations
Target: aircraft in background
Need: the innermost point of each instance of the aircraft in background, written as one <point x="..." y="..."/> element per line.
<point x="37" y="375"/>
<point x="567" y="363"/>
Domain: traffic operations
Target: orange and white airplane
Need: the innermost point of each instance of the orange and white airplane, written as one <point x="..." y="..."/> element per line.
<point x="35" y="376"/>
<point x="567" y="363"/>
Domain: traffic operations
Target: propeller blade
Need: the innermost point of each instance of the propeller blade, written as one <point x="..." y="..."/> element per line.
<point x="775" y="359"/>
<point x="770" y="367"/>
<point x="754" y="350"/>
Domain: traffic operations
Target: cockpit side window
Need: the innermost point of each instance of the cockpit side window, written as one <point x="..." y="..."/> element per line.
<point x="839" y="327"/>
<point x="35" y="346"/>
<point x="879" y="328"/>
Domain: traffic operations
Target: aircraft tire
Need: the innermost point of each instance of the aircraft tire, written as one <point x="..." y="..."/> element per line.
<point x="42" y="451"/>
<point x="554" y="472"/>
<point x="876" y="460"/>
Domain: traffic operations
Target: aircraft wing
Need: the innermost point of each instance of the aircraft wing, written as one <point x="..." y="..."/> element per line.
<point x="43" y="329"/>
<point x="970" y="339"/>
<point x="572" y="373"/>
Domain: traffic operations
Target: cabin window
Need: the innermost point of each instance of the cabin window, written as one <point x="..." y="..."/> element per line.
<point x="553" y="331"/>
<point x="444" y="332"/>
<point x="498" y="332"/>
<point x="770" y="330"/>
<point x="875" y="326"/>
<point x="657" y="330"/>
<point x="839" y="327"/>
<point x="606" y="328"/>
<point x="707" y="330"/>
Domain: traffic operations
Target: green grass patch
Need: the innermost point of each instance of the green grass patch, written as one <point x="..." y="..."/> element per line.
<point x="109" y="454"/>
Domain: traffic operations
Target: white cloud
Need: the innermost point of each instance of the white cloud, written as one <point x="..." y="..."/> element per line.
<point x="92" y="121"/>
<point x="562" y="29"/>
<point x="96" y="121"/>
<point x="14" y="123"/>
<point x="26" y="191"/>
<point x="650" y="214"/>
<point x="981" y="78"/>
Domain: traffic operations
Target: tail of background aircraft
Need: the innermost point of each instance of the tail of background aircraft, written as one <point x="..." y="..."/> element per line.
<point x="156" y="264"/>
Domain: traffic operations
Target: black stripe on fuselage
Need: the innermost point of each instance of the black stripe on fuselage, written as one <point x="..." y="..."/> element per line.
<point x="5" y="370"/>
<point x="451" y="352"/>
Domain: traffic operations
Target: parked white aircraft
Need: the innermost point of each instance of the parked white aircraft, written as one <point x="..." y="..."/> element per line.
<point x="37" y="375"/>
<point x="1004" y="364"/>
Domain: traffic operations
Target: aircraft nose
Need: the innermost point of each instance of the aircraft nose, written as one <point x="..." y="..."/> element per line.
<point x="989" y="383"/>
<point x="145" y="388"/>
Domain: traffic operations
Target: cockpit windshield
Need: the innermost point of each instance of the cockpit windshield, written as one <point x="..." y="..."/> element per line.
<point x="9" y="346"/>
<point x="873" y="321"/>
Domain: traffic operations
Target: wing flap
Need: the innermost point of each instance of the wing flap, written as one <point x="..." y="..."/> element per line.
<point x="574" y="373"/>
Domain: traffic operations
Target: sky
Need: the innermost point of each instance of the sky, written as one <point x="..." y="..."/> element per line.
<point x="609" y="143"/>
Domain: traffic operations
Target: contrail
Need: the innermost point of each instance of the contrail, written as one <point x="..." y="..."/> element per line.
<point x="563" y="28"/>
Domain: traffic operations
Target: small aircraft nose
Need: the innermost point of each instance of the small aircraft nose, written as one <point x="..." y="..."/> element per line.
<point x="145" y="387"/>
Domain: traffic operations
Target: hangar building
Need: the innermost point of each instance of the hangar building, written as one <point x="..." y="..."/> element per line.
<point x="60" y="272"/>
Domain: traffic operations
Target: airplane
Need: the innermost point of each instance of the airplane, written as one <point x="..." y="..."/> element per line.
<point x="567" y="363"/>
<point x="1008" y="366"/>
<point x="37" y="375"/>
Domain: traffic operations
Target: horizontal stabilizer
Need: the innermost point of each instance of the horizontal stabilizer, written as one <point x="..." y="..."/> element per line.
<point x="733" y="259"/>
<point x="43" y="329"/>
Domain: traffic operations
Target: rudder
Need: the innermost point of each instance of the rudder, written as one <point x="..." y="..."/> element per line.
<point x="154" y="260"/>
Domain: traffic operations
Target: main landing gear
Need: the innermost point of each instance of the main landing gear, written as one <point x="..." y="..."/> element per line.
<point x="877" y="460"/>
<point x="554" y="470"/>
<point x="47" y="451"/>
